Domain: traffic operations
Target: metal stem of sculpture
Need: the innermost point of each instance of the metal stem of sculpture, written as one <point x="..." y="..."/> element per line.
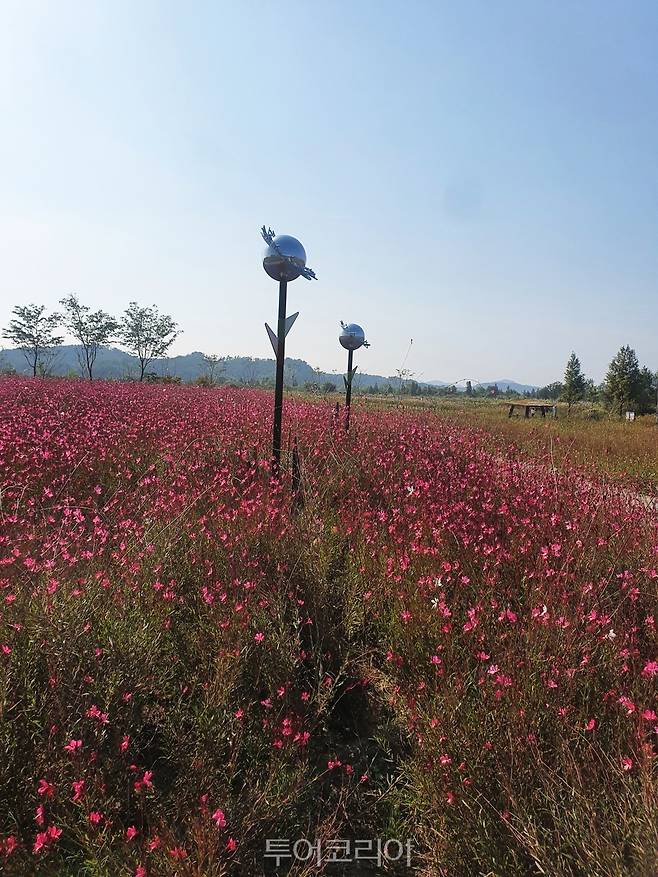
<point x="278" y="385"/>
<point x="348" y="389"/>
<point x="351" y="338"/>
<point x="284" y="260"/>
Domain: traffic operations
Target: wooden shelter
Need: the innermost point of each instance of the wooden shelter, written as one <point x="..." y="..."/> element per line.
<point x="532" y="408"/>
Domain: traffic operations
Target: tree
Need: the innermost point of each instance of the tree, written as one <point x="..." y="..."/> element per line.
<point x="404" y="374"/>
<point x="592" y="392"/>
<point x="623" y="381"/>
<point x="550" y="391"/>
<point x="646" y="398"/>
<point x="469" y="388"/>
<point x="32" y="332"/>
<point x="573" y="389"/>
<point x="91" y="329"/>
<point x="214" y="364"/>
<point x="147" y="334"/>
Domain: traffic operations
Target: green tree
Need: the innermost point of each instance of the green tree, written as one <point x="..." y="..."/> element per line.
<point x="147" y="334"/>
<point x="32" y="331"/>
<point x="574" y="385"/>
<point x="623" y="382"/>
<point x="550" y="391"/>
<point x="646" y="400"/>
<point x="91" y="329"/>
<point x="592" y="392"/>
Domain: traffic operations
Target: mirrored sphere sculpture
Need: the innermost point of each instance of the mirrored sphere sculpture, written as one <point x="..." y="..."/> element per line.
<point x="352" y="336"/>
<point x="284" y="258"/>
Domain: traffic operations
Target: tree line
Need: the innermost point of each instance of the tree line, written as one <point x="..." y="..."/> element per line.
<point x="626" y="387"/>
<point x="143" y="331"/>
<point x="147" y="335"/>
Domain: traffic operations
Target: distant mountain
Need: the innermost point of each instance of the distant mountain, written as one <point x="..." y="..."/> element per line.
<point x="503" y="384"/>
<point x="116" y="364"/>
<point x="506" y="384"/>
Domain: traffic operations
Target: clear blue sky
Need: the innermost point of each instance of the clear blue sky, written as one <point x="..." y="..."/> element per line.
<point x="482" y="177"/>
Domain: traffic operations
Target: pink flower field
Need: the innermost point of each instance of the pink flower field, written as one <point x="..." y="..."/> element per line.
<point x="423" y="641"/>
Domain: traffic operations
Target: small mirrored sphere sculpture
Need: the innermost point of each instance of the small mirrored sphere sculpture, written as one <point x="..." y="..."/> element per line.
<point x="285" y="258"/>
<point x="352" y="337"/>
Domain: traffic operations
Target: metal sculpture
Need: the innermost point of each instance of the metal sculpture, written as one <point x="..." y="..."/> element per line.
<point x="284" y="260"/>
<point x="351" y="338"/>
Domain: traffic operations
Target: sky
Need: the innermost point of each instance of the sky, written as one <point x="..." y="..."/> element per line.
<point x="480" y="177"/>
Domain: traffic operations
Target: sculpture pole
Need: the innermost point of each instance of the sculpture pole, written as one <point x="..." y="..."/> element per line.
<point x="278" y="387"/>
<point x="348" y="391"/>
<point x="351" y="338"/>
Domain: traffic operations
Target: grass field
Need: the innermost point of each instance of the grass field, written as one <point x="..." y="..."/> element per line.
<point x="587" y="438"/>
<point x="426" y="642"/>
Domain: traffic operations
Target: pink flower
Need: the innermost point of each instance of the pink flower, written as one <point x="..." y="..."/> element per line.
<point x="628" y="704"/>
<point x="219" y="818"/>
<point x="95" y="817"/>
<point x="40" y="841"/>
<point x="627" y="763"/>
<point x="94" y="713"/>
<point x="73" y="745"/>
<point x="45" y="838"/>
<point x="131" y="832"/>
<point x="231" y="844"/>
<point x="78" y="787"/>
<point x="125" y="743"/>
<point x="259" y="637"/>
<point x="45" y="788"/>
<point x="140" y="871"/>
<point x="590" y="725"/>
<point x="650" y="668"/>
<point x="145" y="781"/>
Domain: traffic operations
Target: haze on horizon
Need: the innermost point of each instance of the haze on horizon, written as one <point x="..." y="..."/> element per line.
<point x="481" y="178"/>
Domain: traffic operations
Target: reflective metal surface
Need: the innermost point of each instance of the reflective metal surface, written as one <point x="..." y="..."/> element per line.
<point x="284" y="258"/>
<point x="352" y="336"/>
